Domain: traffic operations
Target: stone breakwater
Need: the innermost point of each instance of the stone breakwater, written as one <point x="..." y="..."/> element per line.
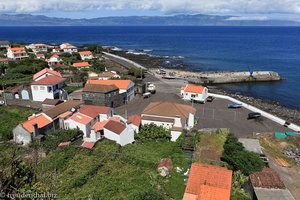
<point x="224" y="76"/>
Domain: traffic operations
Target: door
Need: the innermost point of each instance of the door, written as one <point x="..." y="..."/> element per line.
<point x="25" y="94"/>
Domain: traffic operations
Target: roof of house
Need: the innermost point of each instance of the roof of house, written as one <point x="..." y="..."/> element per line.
<point x="121" y="84"/>
<point x="44" y="71"/>
<point x="169" y="109"/>
<point x="99" y="88"/>
<point x="41" y="120"/>
<point x="107" y="74"/>
<point x="158" y="119"/>
<point x="116" y="127"/>
<point x="39" y="55"/>
<point x="209" y="182"/>
<point x="52" y="102"/>
<point x="62" y="108"/>
<point x="18" y="49"/>
<point x="49" y="80"/>
<point x="4" y="59"/>
<point x="81" y="64"/>
<point x="15" y="89"/>
<point x="85" y="52"/>
<point x="135" y="120"/>
<point x="98" y="126"/>
<point x="193" y="88"/>
<point x="267" y="178"/>
<point x="54" y="56"/>
<point x="93" y="111"/>
<point x="81" y="118"/>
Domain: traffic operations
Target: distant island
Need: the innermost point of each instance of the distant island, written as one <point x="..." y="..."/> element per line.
<point x="176" y="20"/>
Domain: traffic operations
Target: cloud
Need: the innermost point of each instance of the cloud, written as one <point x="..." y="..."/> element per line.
<point x="165" y="6"/>
<point x="247" y="18"/>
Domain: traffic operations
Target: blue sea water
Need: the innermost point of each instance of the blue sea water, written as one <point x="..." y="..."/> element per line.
<point x="204" y="48"/>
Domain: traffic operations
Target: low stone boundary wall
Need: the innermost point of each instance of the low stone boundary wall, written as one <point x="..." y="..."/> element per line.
<point x="122" y="61"/>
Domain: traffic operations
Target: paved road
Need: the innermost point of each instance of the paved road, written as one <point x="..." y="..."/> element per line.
<point x="211" y="115"/>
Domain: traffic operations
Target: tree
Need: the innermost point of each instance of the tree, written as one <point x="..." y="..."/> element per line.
<point x="136" y="72"/>
<point x="153" y="132"/>
<point x="150" y="195"/>
<point x="240" y="159"/>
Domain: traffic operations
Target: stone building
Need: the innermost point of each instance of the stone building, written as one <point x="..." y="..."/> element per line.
<point x="103" y="95"/>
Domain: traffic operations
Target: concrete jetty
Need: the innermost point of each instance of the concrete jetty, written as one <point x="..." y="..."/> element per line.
<point x="236" y="77"/>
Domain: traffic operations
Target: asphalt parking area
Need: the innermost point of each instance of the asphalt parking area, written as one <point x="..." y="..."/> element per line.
<point x="216" y="115"/>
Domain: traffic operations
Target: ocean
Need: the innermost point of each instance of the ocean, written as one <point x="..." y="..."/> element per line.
<point x="203" y="48"/>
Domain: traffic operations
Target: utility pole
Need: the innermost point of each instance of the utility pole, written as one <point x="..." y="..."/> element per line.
<point x="4" y="98"/>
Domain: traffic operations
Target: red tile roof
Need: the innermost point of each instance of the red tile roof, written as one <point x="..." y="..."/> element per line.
<point x="39" y="55"/>
<point x="93" y="111"/>
<point x="88" y="145"/>
<point x="41" y="120"/>
<point x="209" y="182"/>
<point x="121" y="84"/>
<point x="4" y="59"/>
<point x="116" y="127"/>
<point x="81" y="118"/>
<point x="98" y="126"/>
<point x="48" y="80"/>
<point x="135" y="120"/>
<point x="81" y="64"/>
<point x="193" y="88"/>
<point x="85" y="52"/>
<point x="44" y="71"/>
<point x="18" y="49"/>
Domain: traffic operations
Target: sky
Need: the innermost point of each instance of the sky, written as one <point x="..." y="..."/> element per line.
<point x="247" y="9"/>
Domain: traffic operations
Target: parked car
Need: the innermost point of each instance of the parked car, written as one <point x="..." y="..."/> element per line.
<point x="210" y="99"/>
<point x="254" y="115"/>
<point x="234" y="105"/>
<point x="146" y="95"/>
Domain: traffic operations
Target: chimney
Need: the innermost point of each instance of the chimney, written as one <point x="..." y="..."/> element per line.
<point x="35" y="129"/>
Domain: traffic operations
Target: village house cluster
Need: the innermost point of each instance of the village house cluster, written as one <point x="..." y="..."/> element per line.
<point x="91" y="110"/>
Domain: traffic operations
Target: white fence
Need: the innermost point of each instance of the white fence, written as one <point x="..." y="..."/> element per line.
<point x="254" y="109"/>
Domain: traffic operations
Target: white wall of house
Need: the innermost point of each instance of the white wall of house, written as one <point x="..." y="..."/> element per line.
<point x="86" y="57"/>
<point x="53" y="61"/>
<point x="94" y="136"/>
<point x="42" y="92"/>
<point x="17" y="56"/>
<point x="135" y="128"/>
<point x="166" y="125"/>
<point x="70" y="50"/>
<point x="21" y="135"/>
<point x="175" y="135"/>
<point x="177" y="122"/>
<point x="196" y="96"/>
<point x="191" y="121"/>
<point x="126" y="137"/>
<point x="71" y="124"/>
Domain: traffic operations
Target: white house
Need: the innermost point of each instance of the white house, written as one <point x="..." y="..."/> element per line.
<point x="81" y="65"/>
<point x="54" y="60"/>
<point x="38" y="47"/>
<point x="194" y="92"/>
<point x="135" y="122"/>
<point x="49" y="87"/>
<point x="45" y="72"/>
<point x="40" y="56"/>
<point x="17" y="53"/>
<point x="86" y="118"/>
<point x="86" y="55"/>
<point x="125" y="86"/>
<point x="68" y="48"/>
<point x="4" y="44"/>
<point x="170" y="115"/>
<point x="33" y="127"/>
<point x="119" y="132"/>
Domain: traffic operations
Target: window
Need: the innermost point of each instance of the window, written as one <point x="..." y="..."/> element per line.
<point x="35" y="87"/>
<point x="42" y="88"/>
<point x="193" y="95"/>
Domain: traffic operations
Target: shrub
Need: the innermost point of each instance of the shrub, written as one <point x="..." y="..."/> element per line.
<point x="150" y="195"/>
<point x="240" y="159"/>
<point x="153" y="132"/>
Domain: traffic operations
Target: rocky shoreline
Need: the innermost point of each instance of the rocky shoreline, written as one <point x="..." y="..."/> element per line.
<point x="177" y="67"/>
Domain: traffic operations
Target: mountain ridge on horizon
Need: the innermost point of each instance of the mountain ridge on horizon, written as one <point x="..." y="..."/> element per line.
<point x="174" y="20"/>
